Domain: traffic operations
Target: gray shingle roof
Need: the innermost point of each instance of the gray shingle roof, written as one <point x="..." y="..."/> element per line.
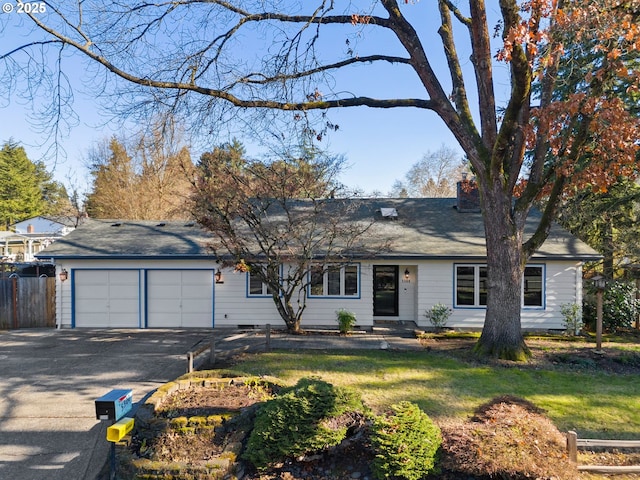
<point x="424" y="228"/>
<point x="130" y="239"/>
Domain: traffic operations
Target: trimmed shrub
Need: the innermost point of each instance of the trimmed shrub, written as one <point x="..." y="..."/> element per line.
<point x="406" y="442"/>
<point x="438" y="315"/>
<point x="297" y="422"/>
<point x="572" y="318"/>
<point x="346" y="320"/>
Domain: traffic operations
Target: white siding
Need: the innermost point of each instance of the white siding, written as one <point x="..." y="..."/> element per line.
<point x="234" y="308"/>
<point x="430" y="282"/>
<point x="562" y="285"/>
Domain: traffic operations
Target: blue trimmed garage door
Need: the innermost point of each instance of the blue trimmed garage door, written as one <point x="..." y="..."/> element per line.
<point x="106" y="298"/>
<point x="180" y="298"/>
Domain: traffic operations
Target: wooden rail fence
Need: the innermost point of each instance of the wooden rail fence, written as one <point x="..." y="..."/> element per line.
<point x="573" y="443"/>
<point x="27" y="302"/>
<point x="210" y="347"/>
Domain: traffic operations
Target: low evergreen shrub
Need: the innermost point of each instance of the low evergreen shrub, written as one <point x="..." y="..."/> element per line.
<point x="297" y="421"/>
<point x="406" y="442"/>
<point x="620" y="307"/>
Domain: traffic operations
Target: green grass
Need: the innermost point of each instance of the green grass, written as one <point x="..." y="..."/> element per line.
<point x="593" y="404"/>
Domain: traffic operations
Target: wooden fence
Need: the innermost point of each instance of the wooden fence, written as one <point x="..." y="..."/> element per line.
<point x="573" y="443"/>
<point x="27" y="302"/>
<point x="233" y="346"/>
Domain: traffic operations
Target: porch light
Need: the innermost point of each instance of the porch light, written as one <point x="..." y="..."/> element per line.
<point x="406" y="273"/>
<point x="219" y="276"/>
<point x="63" y="275"/>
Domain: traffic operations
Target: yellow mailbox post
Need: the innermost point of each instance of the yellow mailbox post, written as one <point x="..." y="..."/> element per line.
<point x="114" y="406"/>
<point x="118" y="430"/>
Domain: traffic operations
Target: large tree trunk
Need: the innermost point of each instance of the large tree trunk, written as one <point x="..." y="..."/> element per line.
<point x="292" y="319"/>
<point x="502" y="334"/>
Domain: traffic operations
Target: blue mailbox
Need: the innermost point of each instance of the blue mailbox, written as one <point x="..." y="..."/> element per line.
<point x="114" y="405"/>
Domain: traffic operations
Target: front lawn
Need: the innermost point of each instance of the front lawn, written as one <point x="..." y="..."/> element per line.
<point x="577" y="396"/>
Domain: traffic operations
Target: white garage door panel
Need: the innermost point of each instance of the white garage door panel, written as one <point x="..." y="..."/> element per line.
<point x="180" y="298"/>
<point x="107" y="298"/>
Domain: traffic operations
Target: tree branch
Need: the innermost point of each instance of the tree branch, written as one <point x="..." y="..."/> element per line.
<point x="351" y="61"/>
<point x="519" y="98"/>
<point x="481" y="59"/>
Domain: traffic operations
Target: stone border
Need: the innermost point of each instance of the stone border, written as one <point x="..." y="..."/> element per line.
<point x="222" y="467"/>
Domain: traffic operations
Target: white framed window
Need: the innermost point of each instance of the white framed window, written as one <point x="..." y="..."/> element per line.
<point x="334" y="281"/>
<point x="471" y="286"/>
<point x="256" y="287"/>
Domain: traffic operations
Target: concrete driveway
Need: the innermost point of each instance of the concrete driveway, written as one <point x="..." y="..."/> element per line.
<point x="49" y="381"/>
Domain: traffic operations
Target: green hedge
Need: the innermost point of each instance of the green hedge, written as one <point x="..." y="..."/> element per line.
<point x="406" y="442"/>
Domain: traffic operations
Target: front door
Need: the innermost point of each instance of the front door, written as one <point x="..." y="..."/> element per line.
<point x="385" y="290"/>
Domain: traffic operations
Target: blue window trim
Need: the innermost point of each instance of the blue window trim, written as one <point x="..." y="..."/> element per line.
<point x="544" y="289"/>
<point x="342" y="297"/>
<point x="484" y="307"/>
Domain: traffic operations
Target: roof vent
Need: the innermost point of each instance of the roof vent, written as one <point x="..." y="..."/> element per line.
<point x="389" y="213"/>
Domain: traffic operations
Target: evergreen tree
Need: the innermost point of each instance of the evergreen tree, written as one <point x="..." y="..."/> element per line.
<point x="26" y="188"/>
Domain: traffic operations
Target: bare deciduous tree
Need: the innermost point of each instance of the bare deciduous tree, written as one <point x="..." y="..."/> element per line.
<point x="149" y="180"/>
<point x="279" y="220"/>
<point x="435" y="175"/>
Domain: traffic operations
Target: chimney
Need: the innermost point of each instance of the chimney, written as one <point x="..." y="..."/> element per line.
<point x="468" y="197"/>
<point x="29" y="228"/>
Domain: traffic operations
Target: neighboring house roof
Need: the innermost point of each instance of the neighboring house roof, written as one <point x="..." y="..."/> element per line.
<point x="423" y="228"/>
<point x="43" y="224"/>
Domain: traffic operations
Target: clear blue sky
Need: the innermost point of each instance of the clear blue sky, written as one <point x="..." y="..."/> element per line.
<point x="379" y="145"/>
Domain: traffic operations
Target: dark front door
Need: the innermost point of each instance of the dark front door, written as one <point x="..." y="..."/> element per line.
<point x="385" y="290"/>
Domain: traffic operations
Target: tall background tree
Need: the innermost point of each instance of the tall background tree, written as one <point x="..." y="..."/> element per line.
<point x="609" y="222"/>
<point x="149" y="180"/>
<point x="277" y="219"/>
<point x="435" y="175"/>
<point x="605" y="216"/>
<point x="204" y="67"/>
<point x="27" y="189"/>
